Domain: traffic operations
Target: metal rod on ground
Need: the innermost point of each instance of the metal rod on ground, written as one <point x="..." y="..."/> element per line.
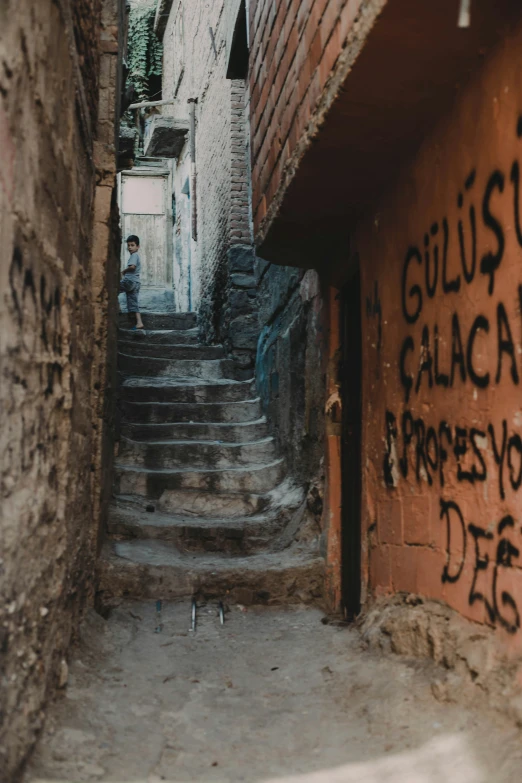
<point x="159" y="626"/>
<point x="194" y="609"/>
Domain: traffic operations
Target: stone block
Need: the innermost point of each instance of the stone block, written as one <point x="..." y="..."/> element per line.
<point x="241" y="259"/>
<point x="243" y="281"/>
<point x="244" y="332"/>
<point x="242" y="302"/>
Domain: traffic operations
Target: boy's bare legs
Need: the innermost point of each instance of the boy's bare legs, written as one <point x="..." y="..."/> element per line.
<point x="139" y="322"/>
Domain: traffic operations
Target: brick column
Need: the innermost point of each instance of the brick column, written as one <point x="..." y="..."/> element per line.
<point x="242" y="324"/>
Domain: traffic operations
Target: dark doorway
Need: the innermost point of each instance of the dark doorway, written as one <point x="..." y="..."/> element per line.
<point x="351" y="378"/>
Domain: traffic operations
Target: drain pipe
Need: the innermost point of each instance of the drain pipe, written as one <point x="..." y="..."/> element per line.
<point x="193" y="177"/>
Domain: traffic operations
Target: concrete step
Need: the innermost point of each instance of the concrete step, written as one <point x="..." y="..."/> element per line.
<point x="153" y="483"/>
<point x="181" y="321"/>
<point x="156" y="366"/>
<point x="171" y="390"/>
<point x="160" y="412"/>
<point x="234" y="535"/>
<point x="244" y="432"/>
<point x="160" y="336"/>
<point x="156" y="571"/>
<point x="169" y="351"/>
<point x="190" y="502"/>
<point x="198" y="455"/>
<point x="283" y="500"/>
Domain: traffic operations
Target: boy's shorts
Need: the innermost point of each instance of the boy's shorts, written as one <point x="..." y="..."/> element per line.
<point x="132" y="289"/>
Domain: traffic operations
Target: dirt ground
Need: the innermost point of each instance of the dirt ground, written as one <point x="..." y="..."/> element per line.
<point x="272" y="694"/>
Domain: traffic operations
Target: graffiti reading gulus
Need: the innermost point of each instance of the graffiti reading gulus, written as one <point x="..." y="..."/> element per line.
<point x="431" y="451"/>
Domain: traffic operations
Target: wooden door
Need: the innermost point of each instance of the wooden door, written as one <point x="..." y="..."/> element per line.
<point x="144" y="212"/>
<point x="351" y="462"/>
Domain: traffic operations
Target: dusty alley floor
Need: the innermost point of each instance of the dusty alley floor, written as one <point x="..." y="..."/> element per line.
<point x="273" y="693"/>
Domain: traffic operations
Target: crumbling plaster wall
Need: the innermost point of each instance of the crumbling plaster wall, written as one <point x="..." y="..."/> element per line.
<point x="192" y="70"/>
<point x="290" y="366"/>
<point x="222" y="259"/>
<point x="440" y="260"/>
<point x="53" y="341"/>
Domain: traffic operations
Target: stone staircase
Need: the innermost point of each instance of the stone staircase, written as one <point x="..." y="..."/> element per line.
<point x="201" y="503"/>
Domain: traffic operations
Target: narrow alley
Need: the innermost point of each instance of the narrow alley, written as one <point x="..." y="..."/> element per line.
<point x="260" y="418"/>
<point x="201" y="502"/>
<point x="272" y="695"/>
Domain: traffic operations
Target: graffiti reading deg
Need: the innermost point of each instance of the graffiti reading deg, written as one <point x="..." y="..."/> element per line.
<point x="434" y="451"/>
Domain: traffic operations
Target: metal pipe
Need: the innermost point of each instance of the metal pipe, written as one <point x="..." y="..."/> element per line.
<point x="146" y="104"/>
<point x="193" y="176"/>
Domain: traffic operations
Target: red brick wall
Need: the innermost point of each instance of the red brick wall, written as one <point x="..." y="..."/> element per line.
<point x="294" y="45"/>
<point x="440" y="261"/>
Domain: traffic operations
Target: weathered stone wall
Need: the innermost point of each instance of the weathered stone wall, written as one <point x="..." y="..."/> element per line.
<point x="52" y="345"/>
<point x="105" y="254"/>
<point x="290" y="371"/>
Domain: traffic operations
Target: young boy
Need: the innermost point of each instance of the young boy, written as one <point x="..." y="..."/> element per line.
<point x="130" y="282"/>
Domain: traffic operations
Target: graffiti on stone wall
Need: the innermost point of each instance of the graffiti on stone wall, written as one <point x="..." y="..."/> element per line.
<point x="36" y="298"/>
<point x="434" y="452"/>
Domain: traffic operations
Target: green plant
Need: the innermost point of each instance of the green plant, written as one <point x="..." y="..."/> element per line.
<point x="145" y="52"/>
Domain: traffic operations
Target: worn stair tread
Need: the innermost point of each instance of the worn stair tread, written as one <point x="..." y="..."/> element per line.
<point x="156" y="570"/>
<point x="157" y="553"/>
<point x="162" y="358"/>
<point x="153" y="482"/>
<point x="140" y="349"/>
<point x="141" y="332"/>
<point x="184" y="390"/>
<point x="200" y="369"/>
<point x="197" y="502"/>
<point x="160" y="346"/>
<point x="200" y="442"/>
<point x="160" y="335"/>
<point x="283" y="499"/>
<point x="166" y="381"/>
<point x="187" y="469"/>
<point x="237" y="535"/>
<point x="196" y="411"/>
<point x="132" y="514"/>
<point x="196" y="431"/>
<point x="210" y="454"/>
<point x="163" y="320"/>
<point x="225" y="425"/>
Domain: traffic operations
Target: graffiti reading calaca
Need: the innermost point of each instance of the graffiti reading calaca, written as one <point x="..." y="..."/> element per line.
<point x="444" y="353"/>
